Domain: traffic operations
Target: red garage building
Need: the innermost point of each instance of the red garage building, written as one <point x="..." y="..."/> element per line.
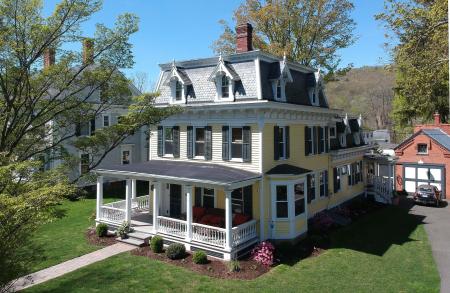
<point x="424" y="158"/>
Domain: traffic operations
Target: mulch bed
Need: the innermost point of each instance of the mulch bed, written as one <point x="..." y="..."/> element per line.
<point x="93" y="239"/>
<point x="250" y="269"/>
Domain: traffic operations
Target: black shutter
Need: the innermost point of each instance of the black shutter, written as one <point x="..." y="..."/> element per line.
<point x="276" y="143"/>
<point x="160" y="141"/>
<point x="321" y="140"/>
<point x="327" y="140"/>
<point x="208" y="143"/>
<point x="326" y="184"/>
<point x="287" y="142"/>
<point x="247" y="144"/>
<point x="176" y="141"/>
<point x="77" y="129"/>
<point x="248" y="200"/>
<point x="190" y="142"/>
<point x="92" y="124"/>
<point x="307" y="141"/>
<point x="225" y="143"/>
<point x="198" y="197"/>
<point x="315" y="140"/>
<point x="335" y="181"/>
<point x="350" y="170"/>
<point x="308" y="188"/>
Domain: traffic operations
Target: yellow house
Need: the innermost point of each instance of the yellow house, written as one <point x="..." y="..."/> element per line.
<point x="254" y="154"/>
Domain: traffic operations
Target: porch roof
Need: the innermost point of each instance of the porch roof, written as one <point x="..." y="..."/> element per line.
<point x="181" y="171"/>
<point x="286" y="169"/>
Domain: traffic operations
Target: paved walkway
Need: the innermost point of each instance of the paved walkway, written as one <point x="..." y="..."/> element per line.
<point x="70" y="266"/>
<point x="437" y="226"/>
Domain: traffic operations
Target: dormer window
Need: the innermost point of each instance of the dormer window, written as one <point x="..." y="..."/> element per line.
<point x="178" y="90"/>
<point x="225" y="86"/>
<point x="278" y="87"/>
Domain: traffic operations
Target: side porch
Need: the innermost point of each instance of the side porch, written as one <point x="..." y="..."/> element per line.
<point x="218" y="217"/>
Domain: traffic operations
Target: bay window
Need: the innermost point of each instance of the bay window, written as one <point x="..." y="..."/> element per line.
<point x="299" y="198"/>
<point x="281" y="201"/>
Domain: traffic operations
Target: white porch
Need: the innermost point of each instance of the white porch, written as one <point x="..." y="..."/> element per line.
<point x="147" y="215"/>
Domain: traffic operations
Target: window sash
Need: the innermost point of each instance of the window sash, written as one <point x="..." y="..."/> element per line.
<point x="322" y="183"/>
<point x="299" y="199"/>
<point x="281" y="201"/>
<point x="106" y="121"/>
<point x="168" y="140"/>
<point x="282" y="143"/>
<point x="422" y="148"/>
<point x="84" y="163"/>
<point x="178" y="90"/>
<point x="208" y="198"/>
<point x="126" y="157"/>
<point x="237" y="201"/>
<point x="237" y="142"/>
<point x="225" y="87"/>
<point x="199" y="145"/>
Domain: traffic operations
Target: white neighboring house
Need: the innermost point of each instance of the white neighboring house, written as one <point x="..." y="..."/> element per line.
<point x="132" y="150"/>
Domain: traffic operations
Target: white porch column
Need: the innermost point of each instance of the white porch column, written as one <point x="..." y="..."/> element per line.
<point x="133" y="188"/>
<point x="128" y="200"/>
<point x="228" y="220"/>
<point x="156" y="195"/>
<point x="188" y="190"/>
<point x="99" y="196"/>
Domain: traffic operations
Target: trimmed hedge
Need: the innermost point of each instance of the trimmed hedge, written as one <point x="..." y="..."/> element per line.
<point x="176" y="251"/>
<point x="156" y="244"/>
<point x="199" y="257"/>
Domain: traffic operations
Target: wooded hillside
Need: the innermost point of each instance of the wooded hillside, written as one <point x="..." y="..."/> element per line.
<point x="368" y="91"/>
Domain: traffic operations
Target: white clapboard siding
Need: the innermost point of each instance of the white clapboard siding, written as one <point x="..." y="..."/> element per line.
<point x="216" y="149"/>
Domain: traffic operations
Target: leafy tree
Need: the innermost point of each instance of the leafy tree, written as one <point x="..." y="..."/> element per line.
<point x="420" y="30"/>
<point x="40" y="109"/>
<point x="310" y="32"/>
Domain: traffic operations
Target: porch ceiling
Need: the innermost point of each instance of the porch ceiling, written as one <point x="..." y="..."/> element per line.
<point x="181" y="171"/>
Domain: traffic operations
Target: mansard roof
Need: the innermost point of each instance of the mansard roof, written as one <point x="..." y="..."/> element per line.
<point x="178" y="73"/>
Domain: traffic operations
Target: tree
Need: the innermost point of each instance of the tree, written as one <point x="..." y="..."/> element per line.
<point x="40" y="109"/>
<point x="419" y="29"/>
<point x="140" y="81"/>
<point x="309" y="32"/>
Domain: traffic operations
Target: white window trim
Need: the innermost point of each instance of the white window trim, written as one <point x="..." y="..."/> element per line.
<point x="322" y="173"/>
<point x="126" y="147"/>
<point x="342" y="140"/>
<point x="284" y="143"/>
<point x="214" y="195"/>
<point x="218" y="82"/>
<point x="194" y="139"/>
<point x="314" y="92"/>
<point x="313" y="139"/>
<point x="103" y="120"/>
<point x="164" y="143"/>
<point x="329" y="132"/>
<point x="173" y="84"/>
<point x="79" y="166"/>
<point x="230" y="137"/>
<point x="290" y="199"/>
<point x="282" y="87"/>
<point x="422" y="153"/>
<point x="316" y="187"/>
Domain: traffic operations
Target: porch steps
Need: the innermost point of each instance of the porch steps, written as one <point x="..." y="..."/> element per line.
<point x="136" y="238"/>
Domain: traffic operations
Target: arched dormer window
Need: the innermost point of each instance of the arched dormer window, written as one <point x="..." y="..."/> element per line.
<point x="224" y="78"/>
<point x="178" y="81"/>
<point x="281" y="76"/>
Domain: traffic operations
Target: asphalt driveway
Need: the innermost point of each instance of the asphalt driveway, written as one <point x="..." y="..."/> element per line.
<point x="437" y="226"/>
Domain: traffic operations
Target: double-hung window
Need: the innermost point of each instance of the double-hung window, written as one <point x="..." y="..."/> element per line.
<point x="168" y="141"/>
<point x="337" y="179"/>
<point x="311" y="187"/>
<point x="237" y="200"/>
<point x="323" y="182"/>
<point x="236" y="142"/>
<point x="178" y="90"/>
<point x="281" y="201"/>
<point x="299" y="198"/>
<point x="84" y="163"/>
<point x="106" y="120"/>
<point x="199" y="147"/>
<point x="281" y="142"/>
<point x="207" y="197"/>
<point x="225" y="87"/>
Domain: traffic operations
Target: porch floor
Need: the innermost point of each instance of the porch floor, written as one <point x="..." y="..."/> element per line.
<point x="142" y="222"/>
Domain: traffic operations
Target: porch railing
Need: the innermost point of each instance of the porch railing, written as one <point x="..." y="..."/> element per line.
<point x="112" y="214"/>
<point x="244" y="232"/>
<point x="139" y="203"/>
<point x="172" y="226"/>
<point x="208" y="234"/>
<point x="382" y="186"/>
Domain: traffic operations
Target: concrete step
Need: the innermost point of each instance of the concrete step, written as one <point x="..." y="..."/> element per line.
<point x="132" y="241"/>
<point x="139" y="235"/>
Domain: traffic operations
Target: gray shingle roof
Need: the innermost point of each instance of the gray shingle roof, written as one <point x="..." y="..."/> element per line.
<point x="286" y="169"/>
<point x="438" y="135"/>
<point x="186" y="171"/>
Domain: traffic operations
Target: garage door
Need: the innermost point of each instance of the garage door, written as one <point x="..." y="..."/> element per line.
<point x="415" y="175"/>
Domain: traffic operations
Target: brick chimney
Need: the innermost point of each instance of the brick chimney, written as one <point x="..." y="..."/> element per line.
<point x="49" y="57"/>
<point x="88" y="51"/>
<point x="437" y="119"/>
<point x="244" y="38"/>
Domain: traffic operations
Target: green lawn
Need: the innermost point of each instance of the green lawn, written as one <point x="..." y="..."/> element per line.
<point x="64" y="239"/>
<point x="387" y="251"/>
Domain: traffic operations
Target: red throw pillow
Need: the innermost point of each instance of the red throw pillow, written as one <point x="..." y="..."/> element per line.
<point x="205" y="219"/>
<point x="198" y="212"/>
<point x="240" y="219"/>
<point x="216" y="220"/>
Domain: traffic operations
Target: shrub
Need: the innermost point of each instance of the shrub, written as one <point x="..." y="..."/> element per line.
<point x="102" y="230"/>
<point x="156" y="244"/>
<point x="321" y="241"/>
<point x="124" y="229"/>
<point x="263" y="253"/>
<point x="200" y="257"/>
<point x="176" y="251"/>
<point x="234" y="266"/>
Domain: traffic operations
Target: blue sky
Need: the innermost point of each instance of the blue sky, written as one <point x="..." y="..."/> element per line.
<point x="180" y="30"/>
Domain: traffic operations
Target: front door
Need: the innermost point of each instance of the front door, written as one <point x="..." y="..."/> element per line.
<point x="175" y="200"/>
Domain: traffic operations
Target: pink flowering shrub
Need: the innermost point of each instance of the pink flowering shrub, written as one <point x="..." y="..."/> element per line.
<point x="263" y="253"/>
